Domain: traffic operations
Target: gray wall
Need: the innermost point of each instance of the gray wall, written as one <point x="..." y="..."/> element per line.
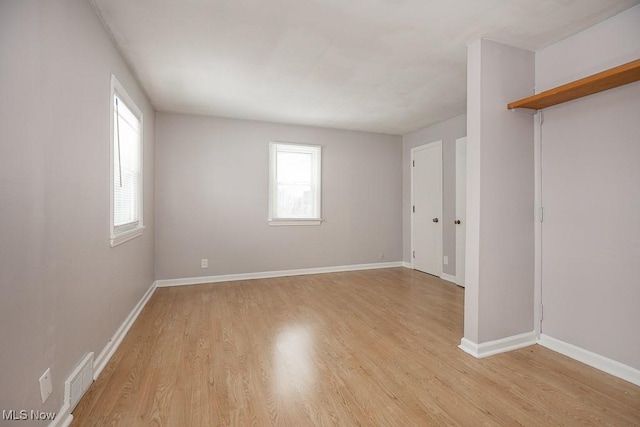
<point x="500" y="194"/>
<point x="591" y="195"/>
<point x="447" y="131"/>
<point x="212" y="195"/>
<point x="63" y="290"/>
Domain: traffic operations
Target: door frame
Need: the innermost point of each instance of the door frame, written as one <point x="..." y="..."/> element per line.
<point x="538" y="223"/>
<point x="413" y="151"/>
<point x="460" y="252"/>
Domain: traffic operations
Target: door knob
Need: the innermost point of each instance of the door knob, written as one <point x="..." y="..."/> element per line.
<point x="457" y="221"/>
<point x="435" y="219"/>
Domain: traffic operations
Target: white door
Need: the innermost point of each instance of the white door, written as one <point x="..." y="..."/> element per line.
<point x="461" y="207"/>
<point x="426" y="215"/>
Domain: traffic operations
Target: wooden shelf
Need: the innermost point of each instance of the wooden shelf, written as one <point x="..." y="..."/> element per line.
<point x="614" y="77"/>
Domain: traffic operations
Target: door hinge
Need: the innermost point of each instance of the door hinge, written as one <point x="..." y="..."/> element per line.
<point x="541" y="311"/>
<point x="414" y="254"/>
<point x="541" y="214"/>
<point x="414" y="208"/>
<point x="414" y="163"/>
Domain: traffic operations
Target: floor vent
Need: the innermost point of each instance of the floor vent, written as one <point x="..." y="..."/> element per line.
<point x="79" y="381"/>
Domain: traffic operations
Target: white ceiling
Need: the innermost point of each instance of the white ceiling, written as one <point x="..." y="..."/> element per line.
<point x="390" y="66"/>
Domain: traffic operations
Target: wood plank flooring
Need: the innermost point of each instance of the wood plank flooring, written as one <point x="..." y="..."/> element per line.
<point x="365" y="348"/>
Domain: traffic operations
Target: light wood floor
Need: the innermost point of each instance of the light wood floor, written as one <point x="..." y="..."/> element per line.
<point x="364" y="348"/>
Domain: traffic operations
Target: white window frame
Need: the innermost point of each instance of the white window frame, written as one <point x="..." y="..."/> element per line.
<point x="273" y="149"/>
<point x="120" y="237"/>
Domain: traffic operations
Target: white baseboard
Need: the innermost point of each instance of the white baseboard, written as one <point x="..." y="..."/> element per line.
<point x="468" y="347"/>
<point x="63" y="418"/>
<point x="114" y="342"/>
<point x="406" y="264"/>
<point x="270" y="274"/>
<point x="595" y="360"/>
<point x="449" y="278"/>
<point x="497" y="346"/>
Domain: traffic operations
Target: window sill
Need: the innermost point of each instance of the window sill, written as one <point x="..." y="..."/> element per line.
<point x="125" y="236"/>
<point x="278" y="222"/>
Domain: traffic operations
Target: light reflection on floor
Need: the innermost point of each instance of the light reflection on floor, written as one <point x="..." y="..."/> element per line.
<point x="295" y="371"/>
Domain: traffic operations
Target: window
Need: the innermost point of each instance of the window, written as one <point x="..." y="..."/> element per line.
<point x="126" y="166"/>
<point x="294" y="184"/>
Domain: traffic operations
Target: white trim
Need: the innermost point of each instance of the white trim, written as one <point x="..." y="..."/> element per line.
<point x="316" y="152"/>
<point x="406" y="264"/>
<point x="469" y="347"/>
<point x="502" y="345"/>
<point x="119" y="238"/>
<point x="270" y="274"/>
<point x="279" y="222"/>
<point x="594" y="360"/>
<point x="413" y="150"/>
<point x="460" y="209"/>
<point x="537" y="225"/>
<point x="126" y="236"/>
<point x="449" y="278"/>
<point x="63" y="418"/>
<point x="106" y="353"/>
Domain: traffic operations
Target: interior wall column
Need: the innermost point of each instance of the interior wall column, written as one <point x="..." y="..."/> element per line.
<point x="499" y="294"/>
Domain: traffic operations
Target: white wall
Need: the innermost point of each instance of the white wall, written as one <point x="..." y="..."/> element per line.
<point x="612" y="42"/>
<point x="591" y="195"/>
<point x="212" y="198"/>
<point x="500" y="194"/>
<point x="447" y="131"/>
<point x="63" y="290"/>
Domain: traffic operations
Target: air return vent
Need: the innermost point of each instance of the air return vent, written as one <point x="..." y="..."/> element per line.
<point x="79" y="381"/>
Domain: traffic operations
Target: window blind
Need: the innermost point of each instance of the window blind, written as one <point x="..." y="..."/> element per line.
<point x="126" y="165"/>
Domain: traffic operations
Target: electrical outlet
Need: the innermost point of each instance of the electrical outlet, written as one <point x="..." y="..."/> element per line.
<point x="446" y="260"/>
<point x="45" y="385"/>
<point x="204" y="263"/>
<point x="380" y="256"/>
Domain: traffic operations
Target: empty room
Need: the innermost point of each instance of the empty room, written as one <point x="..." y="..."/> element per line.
<point x="277" y="212"/>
